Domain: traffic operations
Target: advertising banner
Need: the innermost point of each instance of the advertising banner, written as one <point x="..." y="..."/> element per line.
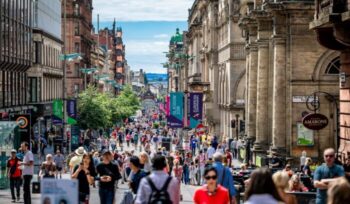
<point x="59" y="191"/>
<point x="195" y="109"/>
<point x="23" y="123"/>
<point x="57" y="108"/>
<point x="72" y="108"/>
<point x="167" y="105"/>
<point x="305" y="136"/>
<point x="175" y="119"/>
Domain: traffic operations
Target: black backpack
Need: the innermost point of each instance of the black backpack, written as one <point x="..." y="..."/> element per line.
<point x="159" y="196"/>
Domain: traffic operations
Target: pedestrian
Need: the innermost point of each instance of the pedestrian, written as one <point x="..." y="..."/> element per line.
<point x="136" y="174"/>
<point x="338" y="193"/>
<point x="202" y="159"/>
<point x="48" y="168"/>
<point x="193" y="145"/>
<point x="224" y="176"/>
<point x="220" y="149"/>
<point x="233" y="147"/>
<point x="84" y="173"/>
<point x="210" y="152"/>
<point x="158" y="187"/>
<point x="27" y="171"/>
<point x="76" y="159"/>
<point x="145" y="163"/>
<point x="186" y="168"/>
<point x="193" y="172"/>
<point x="261" y="188"/>
<point x="14" y="174"/>
<point x="229" y="157"/>
<point x="136" y="138"/>
<point x="127" y="139"/>
<point x="281" y="179"/>
<point x="295" y="184"/>
<point x="211" y="192"/>
<point x="59" y="159"/>
<point x="325" y="174"/>
<point x="113" y="143"/>
<point x="306" y="167"/>
<point x="178" y="173"/>
<point x="96" y="159"/>
<point x="109" y="174"/>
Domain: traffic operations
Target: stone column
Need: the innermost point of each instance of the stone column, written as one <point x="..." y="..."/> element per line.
<point x="344" y="100"/>
<point x="252" y="88"/>
<point x="262" y="93"/>
<point x="279" y="94"/>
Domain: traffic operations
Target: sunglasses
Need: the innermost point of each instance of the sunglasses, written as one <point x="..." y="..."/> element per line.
<point x="210" y="177"/>
<point x="330" y="156"/>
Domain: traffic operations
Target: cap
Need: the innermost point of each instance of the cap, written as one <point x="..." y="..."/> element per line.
<point x="13" y="151"/>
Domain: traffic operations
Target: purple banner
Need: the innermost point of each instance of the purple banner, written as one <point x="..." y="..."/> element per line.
<point x="72" y="108"/>
<point x="195" y="109"/>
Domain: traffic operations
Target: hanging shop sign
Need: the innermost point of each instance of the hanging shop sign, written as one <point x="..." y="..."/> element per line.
<point x="175" y="119"/>
<point x="195" y="109"/>
<point x="23" y="123"/>
<point x="315" y="121"/>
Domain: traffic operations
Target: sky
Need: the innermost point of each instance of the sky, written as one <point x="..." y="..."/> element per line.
<point x="147" y="27"/>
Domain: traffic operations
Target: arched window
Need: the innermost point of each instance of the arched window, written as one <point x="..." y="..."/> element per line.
<point x="334" y="66"/>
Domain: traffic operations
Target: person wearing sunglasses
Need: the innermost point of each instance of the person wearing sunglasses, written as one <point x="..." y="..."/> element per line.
<point x="325" y="174"/>
<point x="211" y="192"/>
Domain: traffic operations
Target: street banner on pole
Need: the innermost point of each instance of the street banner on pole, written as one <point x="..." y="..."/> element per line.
<point x="167" y="105"/>
<point x="57" y="108"/>
<point x="72" y="108"/>
<point x="59" y="191"/>
<point x="175" y="119"/>
<point x="195" y="109"/>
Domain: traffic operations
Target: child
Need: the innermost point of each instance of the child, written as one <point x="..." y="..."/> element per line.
<point x="193" y="172"/>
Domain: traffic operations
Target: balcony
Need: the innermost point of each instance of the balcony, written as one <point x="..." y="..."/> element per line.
<point x="332" y="18"/>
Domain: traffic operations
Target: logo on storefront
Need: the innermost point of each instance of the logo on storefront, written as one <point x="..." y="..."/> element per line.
<point x="22" y="122"/>
<point x="315" y="121"/>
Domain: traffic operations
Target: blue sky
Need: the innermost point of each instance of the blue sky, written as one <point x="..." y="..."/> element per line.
<point x="147" y="25"/>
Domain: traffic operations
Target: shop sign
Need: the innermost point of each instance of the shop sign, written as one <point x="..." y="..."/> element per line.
<point x="22" y="121"/>
<point x="315" y="121"/>
<point x="303" y="99"/>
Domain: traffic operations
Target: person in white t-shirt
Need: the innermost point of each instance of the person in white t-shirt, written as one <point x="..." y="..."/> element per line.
<point x="27" y="171"/>
<point x="210" y="152"/>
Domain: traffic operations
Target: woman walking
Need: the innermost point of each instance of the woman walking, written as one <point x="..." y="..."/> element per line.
<point x="84" y="173"/>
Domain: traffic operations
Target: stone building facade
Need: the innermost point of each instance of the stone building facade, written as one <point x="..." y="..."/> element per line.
<point x="330" y="23"/>
<point x="78" y="40"/>
<point x="285" y="65"/>
<point x="218" y="65"/>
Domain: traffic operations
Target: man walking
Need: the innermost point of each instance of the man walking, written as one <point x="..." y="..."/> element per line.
<point x="233" y="146"/>
<point x="158" y="187"/>
<point x="109" y="174"/>
<point x="58" y="159"/>
<point x="224" y="176"/>
<point x="14" y="173"/>
<point x="325" y="174"/>
<point x="27" y="171"/>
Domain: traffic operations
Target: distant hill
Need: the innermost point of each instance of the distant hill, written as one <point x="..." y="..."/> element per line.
<point x="154" y="77"/>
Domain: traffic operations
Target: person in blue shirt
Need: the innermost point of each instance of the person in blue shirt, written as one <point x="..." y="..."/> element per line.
<point x="193" y="145"/>
<point x="224" y="176"/>
<point x="324" y="175"/>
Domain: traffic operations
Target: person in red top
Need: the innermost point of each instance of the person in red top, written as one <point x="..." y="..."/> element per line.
<point x="14" y="173"/>
<point x="211" y="192"/>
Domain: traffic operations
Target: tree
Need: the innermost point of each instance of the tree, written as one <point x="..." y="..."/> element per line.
<point x="93" y="109"/>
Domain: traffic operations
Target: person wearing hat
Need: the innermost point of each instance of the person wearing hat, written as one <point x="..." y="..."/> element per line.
<point x="76" y="160"/>
<point x="14" y="174"/>
<point x="108" y="174"/>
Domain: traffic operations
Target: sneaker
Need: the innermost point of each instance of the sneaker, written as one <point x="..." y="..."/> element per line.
<point x="13" y="200"/>
<point x="18" y="198"/>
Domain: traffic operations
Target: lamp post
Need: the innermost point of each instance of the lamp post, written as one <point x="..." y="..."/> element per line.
<point x="237" y="127"/>
<point x="39" y="137"/>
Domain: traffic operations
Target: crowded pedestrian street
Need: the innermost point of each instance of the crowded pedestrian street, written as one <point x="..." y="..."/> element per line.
<point x="174" y="102"/>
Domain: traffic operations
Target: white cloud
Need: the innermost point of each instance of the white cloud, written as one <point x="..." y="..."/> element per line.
<point x="146" y="47"/>
<point x="162" y="36"/>
<point x="142" y="10"/>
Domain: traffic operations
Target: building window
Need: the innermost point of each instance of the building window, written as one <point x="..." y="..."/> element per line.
<point x="76" y="90"/>
<point x="76" y="28"/>
<point x="77" y="47"/>
<point x="76" y="70"/>
<point x="334" y="66"/>
<point x="33" y="86"/>
<point x="76" y="9"/>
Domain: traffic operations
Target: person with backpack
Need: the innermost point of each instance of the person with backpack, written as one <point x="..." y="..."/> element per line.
<point x="158" y="187"/>
<point x="14" y="174"/>
<point x="224" y="176"/>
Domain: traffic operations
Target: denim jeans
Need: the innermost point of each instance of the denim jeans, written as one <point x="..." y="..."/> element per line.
<point x="186" y="174"/>
<point x="26" y="188"/>
<point x="106" y="196"/>
<point x="15" y="183"/>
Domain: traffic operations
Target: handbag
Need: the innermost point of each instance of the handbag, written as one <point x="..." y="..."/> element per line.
<point x="128" y="198"/>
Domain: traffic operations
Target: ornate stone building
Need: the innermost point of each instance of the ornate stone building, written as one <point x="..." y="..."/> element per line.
<point x="285" y="65"/>
<point x="218" y="64"/>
